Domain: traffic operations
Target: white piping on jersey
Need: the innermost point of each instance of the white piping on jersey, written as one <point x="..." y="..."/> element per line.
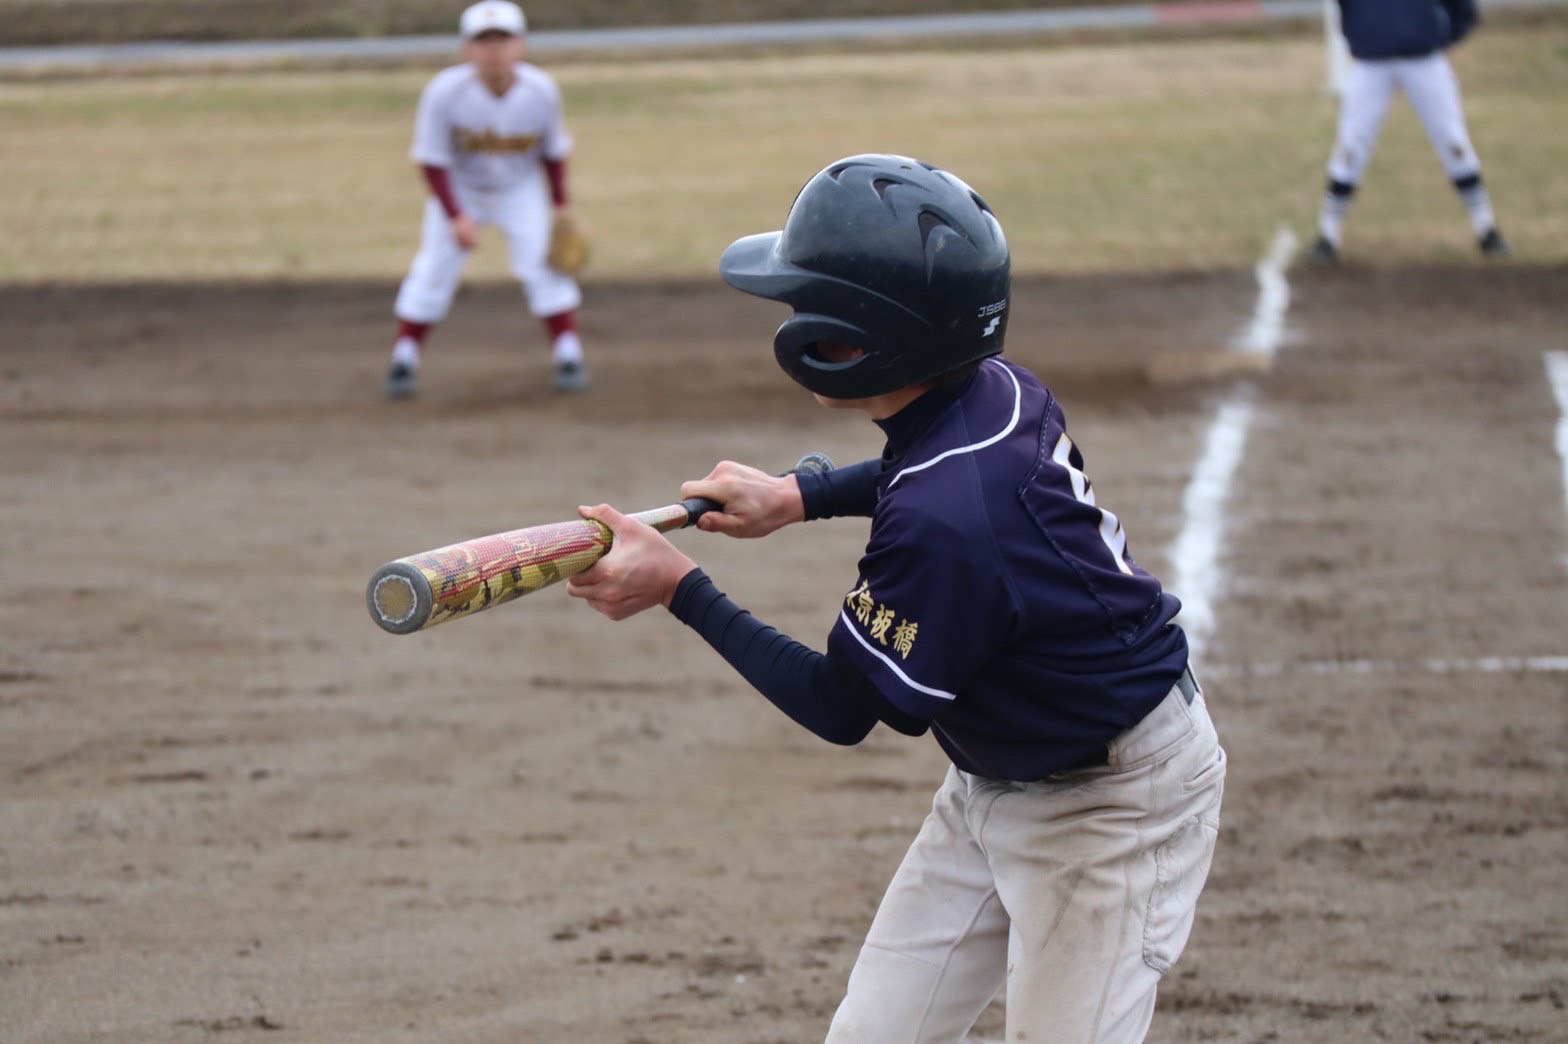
<point x="1018" y="405"/>
<point x="887" y="661"/>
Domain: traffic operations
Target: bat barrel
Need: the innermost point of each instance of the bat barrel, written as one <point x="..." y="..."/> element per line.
<point x="399" y="597"/>
<point x="420" y="591"/>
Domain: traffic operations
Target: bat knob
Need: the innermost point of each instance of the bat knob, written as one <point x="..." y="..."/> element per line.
<point x="812" y="464"/>
<point x="399" y="598"/>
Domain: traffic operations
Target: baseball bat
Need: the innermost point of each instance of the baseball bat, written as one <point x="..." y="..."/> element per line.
<point x="419" y="591"/>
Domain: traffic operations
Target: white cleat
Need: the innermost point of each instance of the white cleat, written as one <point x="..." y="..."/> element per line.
<point x="400" y="381"/>
<point x="571" y="376"/>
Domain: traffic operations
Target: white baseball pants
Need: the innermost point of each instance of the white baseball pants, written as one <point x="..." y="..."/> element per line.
<point x="1433" y="91"/>
<point x="522" y="214"/>
<point x="1077" y="893"/>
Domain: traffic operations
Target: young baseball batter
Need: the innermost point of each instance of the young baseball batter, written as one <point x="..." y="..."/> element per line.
<point x="1398" y="45"/>
<point x="492" y="143"/>
<point x="996" y="606"/>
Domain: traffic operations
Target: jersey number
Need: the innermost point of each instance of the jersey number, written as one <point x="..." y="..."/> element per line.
<point x="1110" y="526"/>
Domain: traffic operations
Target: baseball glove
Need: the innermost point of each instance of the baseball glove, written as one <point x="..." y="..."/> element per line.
<point x="568" y="245"/>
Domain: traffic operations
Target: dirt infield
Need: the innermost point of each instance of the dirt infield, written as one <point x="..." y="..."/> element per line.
<point x="234" y="807"/>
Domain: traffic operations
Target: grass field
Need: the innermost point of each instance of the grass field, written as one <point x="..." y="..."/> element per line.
<point x="1109" y="156"/>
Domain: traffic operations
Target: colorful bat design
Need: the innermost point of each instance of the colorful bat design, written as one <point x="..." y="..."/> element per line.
<point x="420" y="591"/>
<point x="423" y="590"/>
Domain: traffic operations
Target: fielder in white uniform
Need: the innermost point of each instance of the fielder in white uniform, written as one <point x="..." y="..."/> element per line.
<point x="492" y="143"/>
<point x="1398" y="45"/>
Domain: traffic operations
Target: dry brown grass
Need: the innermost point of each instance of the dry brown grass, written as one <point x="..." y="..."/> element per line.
<point x="32" y="22"/>
<point x="1109" y="156"/>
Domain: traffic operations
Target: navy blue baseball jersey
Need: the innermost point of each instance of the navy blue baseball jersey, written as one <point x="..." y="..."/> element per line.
<point x="1382" y="29"/>
<point x="996" y="598"/>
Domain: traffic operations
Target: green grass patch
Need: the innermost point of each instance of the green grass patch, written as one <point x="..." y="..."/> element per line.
<point x="1109" y="156"/>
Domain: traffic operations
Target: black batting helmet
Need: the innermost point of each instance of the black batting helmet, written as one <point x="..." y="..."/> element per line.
<point x="887" y="254"/>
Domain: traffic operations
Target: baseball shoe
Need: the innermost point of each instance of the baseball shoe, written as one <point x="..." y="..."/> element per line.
<point x="1323" y="252"/>
<point x="571" y="376"/>
<point x="1493" y="244"/>
<point x="400" y="381"/>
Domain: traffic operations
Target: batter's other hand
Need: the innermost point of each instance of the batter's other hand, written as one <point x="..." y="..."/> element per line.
<point x="755" y="503"/>
<point x="641" y="569"/>
<point x="466" y="231"/>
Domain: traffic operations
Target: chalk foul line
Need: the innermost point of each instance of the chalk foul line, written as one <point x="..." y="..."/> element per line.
<point x="1196" y="577"/>
<point x="1266" y="331"/>
<point x="1195" y="555"/>
<point x="1557" y="374"/>
<point x="1460" y="665"/>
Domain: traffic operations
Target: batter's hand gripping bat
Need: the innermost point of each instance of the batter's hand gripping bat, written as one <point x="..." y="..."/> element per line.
<point x="420" y="591"/>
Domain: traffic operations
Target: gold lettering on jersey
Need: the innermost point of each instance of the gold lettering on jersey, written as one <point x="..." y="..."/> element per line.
<point x="860" y="602"/>
<point x="880" y="623"/>
<point x="488" y="141"/>
<point x="878" y="620"/>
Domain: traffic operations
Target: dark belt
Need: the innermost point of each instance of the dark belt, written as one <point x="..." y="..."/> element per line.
<point x="1186" y="684"/>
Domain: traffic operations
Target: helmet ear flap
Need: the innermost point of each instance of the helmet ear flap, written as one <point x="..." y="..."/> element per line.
<point x="795" y="347"/>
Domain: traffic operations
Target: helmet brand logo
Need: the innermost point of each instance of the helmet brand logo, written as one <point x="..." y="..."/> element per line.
<point x="994" y="310"/>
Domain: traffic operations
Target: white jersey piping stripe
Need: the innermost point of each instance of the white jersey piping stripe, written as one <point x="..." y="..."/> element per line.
<point x="906" y="679"/>
<point x="1018" y="405"/>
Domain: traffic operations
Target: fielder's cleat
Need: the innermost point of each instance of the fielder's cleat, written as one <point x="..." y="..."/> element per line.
<point x="1323" y="252"/>
<point x="1493" y="244"/>
<point x="571" y="376"/>
<point x="400" y="381"/>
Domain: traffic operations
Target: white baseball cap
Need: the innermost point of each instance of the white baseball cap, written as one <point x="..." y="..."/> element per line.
<point x="493" y="15"/>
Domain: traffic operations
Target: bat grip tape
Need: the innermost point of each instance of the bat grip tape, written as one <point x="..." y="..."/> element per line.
<point x="696" y="507"/>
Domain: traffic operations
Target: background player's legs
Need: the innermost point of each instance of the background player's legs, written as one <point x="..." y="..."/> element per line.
<point x="937" y="950"/>
<point x="1101" y="874"/>
<point x="1369" y="87"/>
<point x="425" y="296"/>
<point x="524" y="216"/>
<point x="566" y="351"/>
<point x="1433" y="90"/>
<point x="405" y="357"/>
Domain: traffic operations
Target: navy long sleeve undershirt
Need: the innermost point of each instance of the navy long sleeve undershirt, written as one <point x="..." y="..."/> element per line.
<point x="817" y="692"/>
<point x="840" y="492"/>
